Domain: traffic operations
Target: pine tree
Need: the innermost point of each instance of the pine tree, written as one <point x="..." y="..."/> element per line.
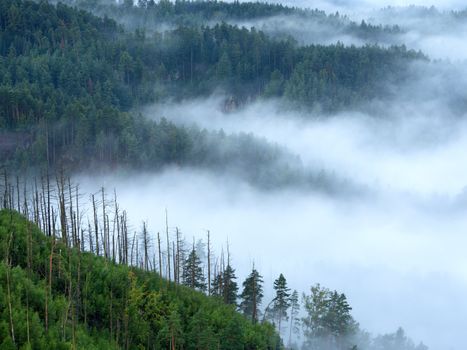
<point x="193" y="273"/>
<point x="252" y="295"/>
<point x="281" y="301"/>
<point x="230" y="287"/>
<point x="224" y="285"/>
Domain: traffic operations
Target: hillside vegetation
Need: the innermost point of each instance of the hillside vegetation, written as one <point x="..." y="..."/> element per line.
<point x="56" y="297"/>
<point x="71" y="83"/>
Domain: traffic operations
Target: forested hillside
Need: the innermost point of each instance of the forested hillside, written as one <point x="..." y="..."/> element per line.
<point x="56" y="297"/>
<point x="93" y="284"/>
<point x="159" y="15"/>
<point x="70" y="83"/>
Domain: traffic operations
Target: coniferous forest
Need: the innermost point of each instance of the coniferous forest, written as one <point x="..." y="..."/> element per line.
<point x="309" y="157"/>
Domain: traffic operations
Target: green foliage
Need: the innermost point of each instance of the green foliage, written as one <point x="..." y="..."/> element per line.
<point x="96" y="304"/>
<point x="70" y="82"/>
<point x="281" y="301"/>
<point x="153" y="15"/>
<point x="328" y="321"/>
<point x="224" y="285"/>
<point x="193" y="276"/>
<point x="252" y="295"/>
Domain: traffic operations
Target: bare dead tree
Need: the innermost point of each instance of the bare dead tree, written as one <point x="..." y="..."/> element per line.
<point x="124" y="238"/>
<point x="96" y="224"/>
<point x="174" y="261"/>
<point x="91" y="246"/>
<point x="36" y="203"/>
<point x="117" y="227"/>
<point x="209" y="263"/>
<point x="74" y="238"/>
<point x="105" y="238"/>
<point x="160" y="253"/>
<point x="18" y="195"/>
<point x="168" y="242"/>
<point x="132" y="247"/>
<point x="48" y="201"/>
<point x="145" y="246"/>
<point x="177" y="231"/>
<point x="62" y="208"/>
<point x="25" y="203"/>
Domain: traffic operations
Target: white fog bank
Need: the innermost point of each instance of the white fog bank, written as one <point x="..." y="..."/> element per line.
<point x="353" y="7"/>
<point x="398" y="254"/>
<point x="400" y="259"/>
<point x="408" y="152"/>
<point x="433" y="30"/>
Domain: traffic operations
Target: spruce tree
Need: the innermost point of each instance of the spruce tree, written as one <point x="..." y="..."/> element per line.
<point x="281" y="301"/>
<point x="252" y="295"/>
<point x="193" y="273"/>
<point x="224" y="285"/>
<point x="229" y="286"/>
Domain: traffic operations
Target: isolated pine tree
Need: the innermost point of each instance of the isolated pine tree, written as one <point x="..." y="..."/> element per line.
<point x="193" y="273"/>
<point x="252" y="295"/>
<point x="281" y="301"/>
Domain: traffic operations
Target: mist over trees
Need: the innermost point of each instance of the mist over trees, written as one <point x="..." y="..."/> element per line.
<point x="103" y="286"/>
<point x="75" y="81"/>
<point x="159" y="15"/>
<point x="69" y="83"/>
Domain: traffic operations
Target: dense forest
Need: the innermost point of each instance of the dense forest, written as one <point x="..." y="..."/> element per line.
<point x="71" y="83"/>
<point x="155" y="16"/>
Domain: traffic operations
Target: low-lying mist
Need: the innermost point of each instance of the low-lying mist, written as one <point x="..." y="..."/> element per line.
<point x="431" y="27"/>
<point x="400" y="258"/>
<point x="397" y="251"/>
<point x="396" y="247"/>
<point x="361" y="6"/>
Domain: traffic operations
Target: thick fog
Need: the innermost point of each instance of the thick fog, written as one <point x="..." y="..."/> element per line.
<point x="438" y="34"/>
<point x="355" y="7"/>
<point x="434" y="30"/>
<point x="397" y="249"/>
<point x="399" y="255"/>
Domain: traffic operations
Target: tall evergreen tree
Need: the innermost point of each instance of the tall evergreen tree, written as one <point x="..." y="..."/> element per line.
<point x="224" y="285"/>
<point x="252" y="295"/>
<point x="281" y="301"/>
<point x="230" y="287"/>
<point x="193" y="273"/>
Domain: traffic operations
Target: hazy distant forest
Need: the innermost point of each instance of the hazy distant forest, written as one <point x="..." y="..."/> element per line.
<point x="74" y="77"/>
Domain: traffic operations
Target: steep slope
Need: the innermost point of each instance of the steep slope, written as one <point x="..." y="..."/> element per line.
<point x="55" y="297"/>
